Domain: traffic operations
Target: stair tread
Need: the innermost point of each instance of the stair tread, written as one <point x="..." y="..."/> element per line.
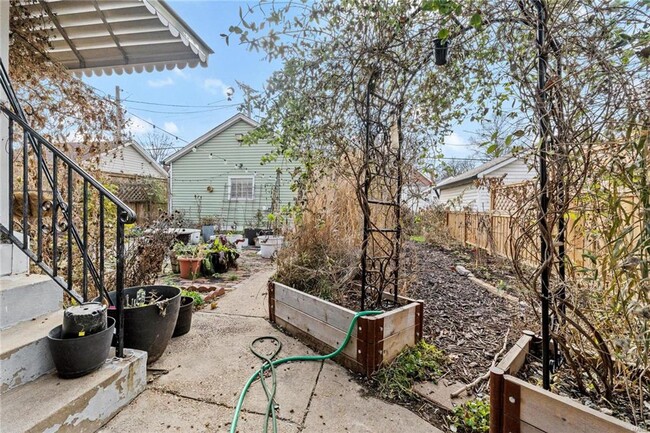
<point x="27" y="332"/>
<point x="18" y="280"/>
<point x="50" y="398"/>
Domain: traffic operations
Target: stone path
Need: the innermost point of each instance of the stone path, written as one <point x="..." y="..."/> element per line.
<point x="194" y="387"/>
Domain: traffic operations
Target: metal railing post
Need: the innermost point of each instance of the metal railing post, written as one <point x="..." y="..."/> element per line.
<point x="119" y="284"/>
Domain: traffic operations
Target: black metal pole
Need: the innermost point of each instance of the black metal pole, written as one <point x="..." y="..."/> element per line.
<point x="545" y="252"/>
<point x="398" y="201"/>
<point x="365" y="204"/>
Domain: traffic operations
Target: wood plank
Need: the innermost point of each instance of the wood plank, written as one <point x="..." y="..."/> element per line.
<point x="398" y="319"/>
<point x="553" y="413"/>
<point x="394" y="344"/>
<point x="319" y="346"/>
<point x="524" y="427"/>
<point x="320" y="330"/>
<point x="516" y="356"/>
<point x="328" y="312"/>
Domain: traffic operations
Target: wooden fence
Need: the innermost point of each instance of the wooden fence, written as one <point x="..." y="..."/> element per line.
<point x="496" y="234"/>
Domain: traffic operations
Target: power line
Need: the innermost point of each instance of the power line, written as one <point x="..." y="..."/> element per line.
<point x="158" y="127"/>
<point x="215" y="108"/>
<point x="209" y="105"/>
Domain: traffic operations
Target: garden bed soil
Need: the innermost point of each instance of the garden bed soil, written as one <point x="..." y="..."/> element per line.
<point x="460" y="317"/>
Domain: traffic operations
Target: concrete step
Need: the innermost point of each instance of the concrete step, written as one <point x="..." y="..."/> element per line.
<point x="24" y="352"/>
<point x="74" y="405"/>
<point x="24" y="297"/>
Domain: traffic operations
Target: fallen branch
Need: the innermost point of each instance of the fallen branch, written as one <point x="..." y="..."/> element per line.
<point x="478" y="380"/>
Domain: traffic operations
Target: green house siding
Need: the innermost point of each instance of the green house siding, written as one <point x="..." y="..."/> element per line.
<point x="199" y="182"/>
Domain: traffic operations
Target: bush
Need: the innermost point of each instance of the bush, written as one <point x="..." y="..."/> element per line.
<point x="431" y="224"/>
<point x="414" y="364"/>
<point x="472" y="416"/>
<point x="323" y="252"/>
<point x="198" y="299"/>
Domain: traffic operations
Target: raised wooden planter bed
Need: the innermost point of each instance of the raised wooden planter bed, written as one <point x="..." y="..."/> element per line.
<point x="323" y="325"/>
<point x="519" y="407"/>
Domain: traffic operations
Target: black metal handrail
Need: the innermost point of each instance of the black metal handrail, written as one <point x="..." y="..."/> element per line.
<point x="61" y="211"/>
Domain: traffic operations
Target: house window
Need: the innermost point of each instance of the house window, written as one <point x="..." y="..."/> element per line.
<point x="241" y="188"/>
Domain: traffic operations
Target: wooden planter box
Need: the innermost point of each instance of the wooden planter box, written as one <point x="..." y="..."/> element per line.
<point x="323" y="325"/>
<point x="517" y="406"/>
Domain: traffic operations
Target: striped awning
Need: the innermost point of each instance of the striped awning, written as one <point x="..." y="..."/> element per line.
<point x="105" y="36"/>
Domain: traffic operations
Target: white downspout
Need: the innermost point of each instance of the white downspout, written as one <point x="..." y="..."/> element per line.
<point x="170" y="195"/>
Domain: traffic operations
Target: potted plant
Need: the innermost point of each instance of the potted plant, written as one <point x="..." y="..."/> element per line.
<point x="270" y="244"/>
<point x="189" y="259"/>
<point x="82" y="343"/>
<point x="222" y="256"/>
<point x="189" y="301"/>
<point x="150" y="315"/>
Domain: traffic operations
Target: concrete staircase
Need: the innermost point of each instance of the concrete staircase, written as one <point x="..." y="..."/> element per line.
<point x="32" y="397"/>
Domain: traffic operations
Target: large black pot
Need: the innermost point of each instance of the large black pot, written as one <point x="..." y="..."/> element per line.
<point x="76" y="357"/>
<point x="150" y="328"/>
<point x="184" y="322"/>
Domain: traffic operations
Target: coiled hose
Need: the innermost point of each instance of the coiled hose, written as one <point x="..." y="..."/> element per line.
<point x="270" y="364"/>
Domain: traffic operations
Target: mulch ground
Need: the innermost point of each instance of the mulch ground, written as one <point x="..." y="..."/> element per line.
<point x="462" y="318"/>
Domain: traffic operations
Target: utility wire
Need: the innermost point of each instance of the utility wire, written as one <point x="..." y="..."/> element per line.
<point x="215" y="108"/>
<point x="209" y="105"/>
<point x="159" y="128"/>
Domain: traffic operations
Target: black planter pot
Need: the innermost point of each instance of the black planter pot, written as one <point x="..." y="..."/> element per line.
<point x="184" y="322"/>
<point x="441" y="49"/>
<point x="76" y="357"/>
<point x="150" y="328"/>
<point x="251" y="234"/>
<point x="84" y="319"/>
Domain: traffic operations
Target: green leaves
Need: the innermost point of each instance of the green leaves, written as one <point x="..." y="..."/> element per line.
<point x="443" y="34"/>
<point x="444" y="7"/>
<point x="476" y="21"/>
<point x="492" y="149"/>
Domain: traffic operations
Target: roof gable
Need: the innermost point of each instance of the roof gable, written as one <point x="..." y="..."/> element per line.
<point x="141" y="152"/>
<point x="477" y="172"/>
<point x="211" y="134"/>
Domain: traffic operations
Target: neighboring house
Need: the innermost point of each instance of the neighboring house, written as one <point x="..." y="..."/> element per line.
<point x="216" y="179"/>
<point x="418" y="191"/>
<point x="469" y="190"/>
<point x="142" y="183"/>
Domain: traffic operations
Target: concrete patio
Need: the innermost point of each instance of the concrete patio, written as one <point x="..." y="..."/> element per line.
<point x="195" y="385"/>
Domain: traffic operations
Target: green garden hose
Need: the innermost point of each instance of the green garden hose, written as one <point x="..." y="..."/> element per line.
<point x="269" y="363"/>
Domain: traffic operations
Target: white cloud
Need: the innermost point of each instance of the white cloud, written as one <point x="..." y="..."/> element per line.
<point x="456" y="146"/>
<point x="138" y="126"/>
<point x="216" y="86"/>
<point x="454" y="139"/>
<point x="181" y="73"/>
<point x="161" y="83"/>
<point x="170" y="127"/>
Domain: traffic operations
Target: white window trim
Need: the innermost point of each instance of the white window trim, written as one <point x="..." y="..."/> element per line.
<point x="230" y="178"/>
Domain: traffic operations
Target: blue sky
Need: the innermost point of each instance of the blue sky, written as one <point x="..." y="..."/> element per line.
<point x="204" y="88"/>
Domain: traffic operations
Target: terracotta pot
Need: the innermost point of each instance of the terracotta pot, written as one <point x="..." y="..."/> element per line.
<point x="190" y="267"/>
